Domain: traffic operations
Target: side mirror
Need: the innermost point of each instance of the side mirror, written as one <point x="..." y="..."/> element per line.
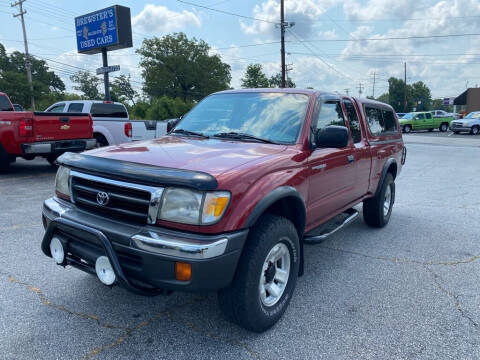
<point x="332" y="137"/>
<point x="172" y="123"/>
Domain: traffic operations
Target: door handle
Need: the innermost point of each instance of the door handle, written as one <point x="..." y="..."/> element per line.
<point x="350" y="158"/>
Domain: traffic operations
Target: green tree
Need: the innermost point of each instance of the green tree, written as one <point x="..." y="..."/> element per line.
<point x="254" y="77"/>
<point x="167" y="108"/>
<point x="420" y="95"/>
<point x="275" y="81"/>
<point x="122" y="90"/>
<point x="88" y="84"/>
<point x="176" y="66"/>
<point x="13" y="78"/>
<point x="385" y="98"/>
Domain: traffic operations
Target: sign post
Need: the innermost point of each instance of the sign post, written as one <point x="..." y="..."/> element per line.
<point x="101" y="31"/>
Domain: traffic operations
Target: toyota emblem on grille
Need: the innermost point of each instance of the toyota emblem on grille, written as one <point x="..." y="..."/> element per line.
<point x="102" y="198"/>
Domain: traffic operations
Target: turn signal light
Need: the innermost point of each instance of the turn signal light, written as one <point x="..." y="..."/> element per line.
<point x="26" y="127"/>
<point x="183" y="271"/>
<point x="128" y="129"/>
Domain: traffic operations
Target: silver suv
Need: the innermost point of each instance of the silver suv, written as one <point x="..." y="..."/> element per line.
<point x="470" y="123"/>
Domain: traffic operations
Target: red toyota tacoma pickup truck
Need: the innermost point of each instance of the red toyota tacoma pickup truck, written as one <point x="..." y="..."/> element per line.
<point x="226" y="200"/>
<point x="28" y="134"/>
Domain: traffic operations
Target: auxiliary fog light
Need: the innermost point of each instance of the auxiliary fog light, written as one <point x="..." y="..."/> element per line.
<point x="56" y="249"/>
<point x="104" y="270"/>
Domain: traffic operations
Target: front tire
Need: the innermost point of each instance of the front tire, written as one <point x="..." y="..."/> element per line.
<point x="407" y="129"/>
<point x="475" y="130"/>
<point x="266" y="275"/>
<point x="443" y="127"/>
<point x="377" y="210"/>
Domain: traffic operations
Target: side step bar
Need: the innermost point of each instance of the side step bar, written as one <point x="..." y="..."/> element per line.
<point x="349" y="216"/>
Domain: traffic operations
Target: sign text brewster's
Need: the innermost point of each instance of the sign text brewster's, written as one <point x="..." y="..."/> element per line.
<point x="107" y="28"/>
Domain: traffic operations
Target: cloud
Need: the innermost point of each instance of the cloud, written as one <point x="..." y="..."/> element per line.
<point x="303" y="12"/>
<point x="159" y="19"/>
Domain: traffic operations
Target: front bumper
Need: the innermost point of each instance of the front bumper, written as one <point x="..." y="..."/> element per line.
<point x="58" y="147"/>
<point x="142" y="256"/>
<point x="459" y="128"/>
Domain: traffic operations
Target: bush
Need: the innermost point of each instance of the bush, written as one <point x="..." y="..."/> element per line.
<point x="167" y="108"/>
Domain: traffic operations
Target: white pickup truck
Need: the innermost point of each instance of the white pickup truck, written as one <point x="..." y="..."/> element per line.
<point x="111" y="123"/>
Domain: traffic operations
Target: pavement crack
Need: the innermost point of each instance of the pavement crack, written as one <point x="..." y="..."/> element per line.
<point x="405" y="260"/>
<point x="452" y="295"/>
<point x="45" y="301"/>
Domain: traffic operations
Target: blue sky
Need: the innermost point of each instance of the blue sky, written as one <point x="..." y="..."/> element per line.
<point x="446" y="64"/>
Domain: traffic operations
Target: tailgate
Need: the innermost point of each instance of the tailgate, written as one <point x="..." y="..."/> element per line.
<point x="61" y="126"/>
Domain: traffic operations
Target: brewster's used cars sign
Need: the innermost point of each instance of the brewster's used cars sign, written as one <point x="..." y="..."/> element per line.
<point x="107" y="28"/>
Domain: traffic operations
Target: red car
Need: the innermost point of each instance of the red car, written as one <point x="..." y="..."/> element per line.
<point x="29" y="134"/>
<point x="227" y="199"/>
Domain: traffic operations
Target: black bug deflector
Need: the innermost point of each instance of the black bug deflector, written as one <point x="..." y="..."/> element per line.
<point x="139" y="173"/>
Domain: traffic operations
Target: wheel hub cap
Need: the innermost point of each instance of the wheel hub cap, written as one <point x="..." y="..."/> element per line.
<point x="274" y="275"/>
<point x="387" y="201"/>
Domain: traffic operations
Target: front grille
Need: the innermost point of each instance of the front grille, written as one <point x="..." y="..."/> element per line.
<point x="123" y="202"/>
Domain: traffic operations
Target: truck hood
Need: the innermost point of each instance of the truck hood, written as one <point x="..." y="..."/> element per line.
<point x="213" y="156"/>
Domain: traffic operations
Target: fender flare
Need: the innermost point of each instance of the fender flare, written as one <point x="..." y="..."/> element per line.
<point x="387" y="164"/>
<point x="105" y="132"/>
<point x="279" y="193"/>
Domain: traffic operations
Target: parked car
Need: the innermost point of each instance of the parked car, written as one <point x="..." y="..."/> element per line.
<point x="29" y="134"/>
<point x="227" y="199"/>
<point x="18" y="107"/>
<point x="470" y="123"/>
<point x="424" y="121"/>
<point x="111" y="122"/>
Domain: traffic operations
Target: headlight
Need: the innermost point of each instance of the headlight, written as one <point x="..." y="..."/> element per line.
<point x="62" y="181"/>
<point x="193" y="207"/>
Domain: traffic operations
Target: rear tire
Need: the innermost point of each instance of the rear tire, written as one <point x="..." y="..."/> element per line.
<point x="443" y="127"/>
<point x="262" y="287"/>
<point x="4" y="160"/>
<point x="51" y="159"/>
<point x="377" y="210"/>
<point x="101" y="141"/>
<point x="475" y="130"/>
<point x="407" y="129"/>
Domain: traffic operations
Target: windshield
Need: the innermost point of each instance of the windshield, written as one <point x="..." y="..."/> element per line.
<point x="276" y="117"/>
<point x="408" y="116"/>
<point x="473" y="115"/>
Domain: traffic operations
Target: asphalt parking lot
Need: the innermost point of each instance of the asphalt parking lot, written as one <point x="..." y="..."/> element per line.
<point x="408" y="291"/>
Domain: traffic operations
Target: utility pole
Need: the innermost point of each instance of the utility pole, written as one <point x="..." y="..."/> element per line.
<point x="282" y="36"/>
<point x="27" y="56"/>
<point x="373" y="90"/>
<point x="347" y="90"/>
<point x="360" y="89"/>
<point x="288" y="67"/>
<point x="405" y="88"/>
<point x="283" y="26"/>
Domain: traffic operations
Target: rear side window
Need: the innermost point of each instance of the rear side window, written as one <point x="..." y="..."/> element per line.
<point x="5" y="104"/>
<point x="353" y="121"/>
<point x="330" y="114"/>
<point x="428" y="115"/>
<point x="108" y="110"/>
<point x="380" y="121"/>
<point x="389" y="123"/>
<point x="75" y="108"/>
<point x="57" y="108"/>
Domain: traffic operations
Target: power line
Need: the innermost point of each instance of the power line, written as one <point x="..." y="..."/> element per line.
<point x="227" y="12"/>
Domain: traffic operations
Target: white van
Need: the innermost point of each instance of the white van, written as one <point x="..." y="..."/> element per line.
<point x="111" y="123"/>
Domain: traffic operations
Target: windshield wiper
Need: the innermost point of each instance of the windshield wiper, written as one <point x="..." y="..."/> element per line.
<point x="188" y="132"/>
<point x="240" y="136"/>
